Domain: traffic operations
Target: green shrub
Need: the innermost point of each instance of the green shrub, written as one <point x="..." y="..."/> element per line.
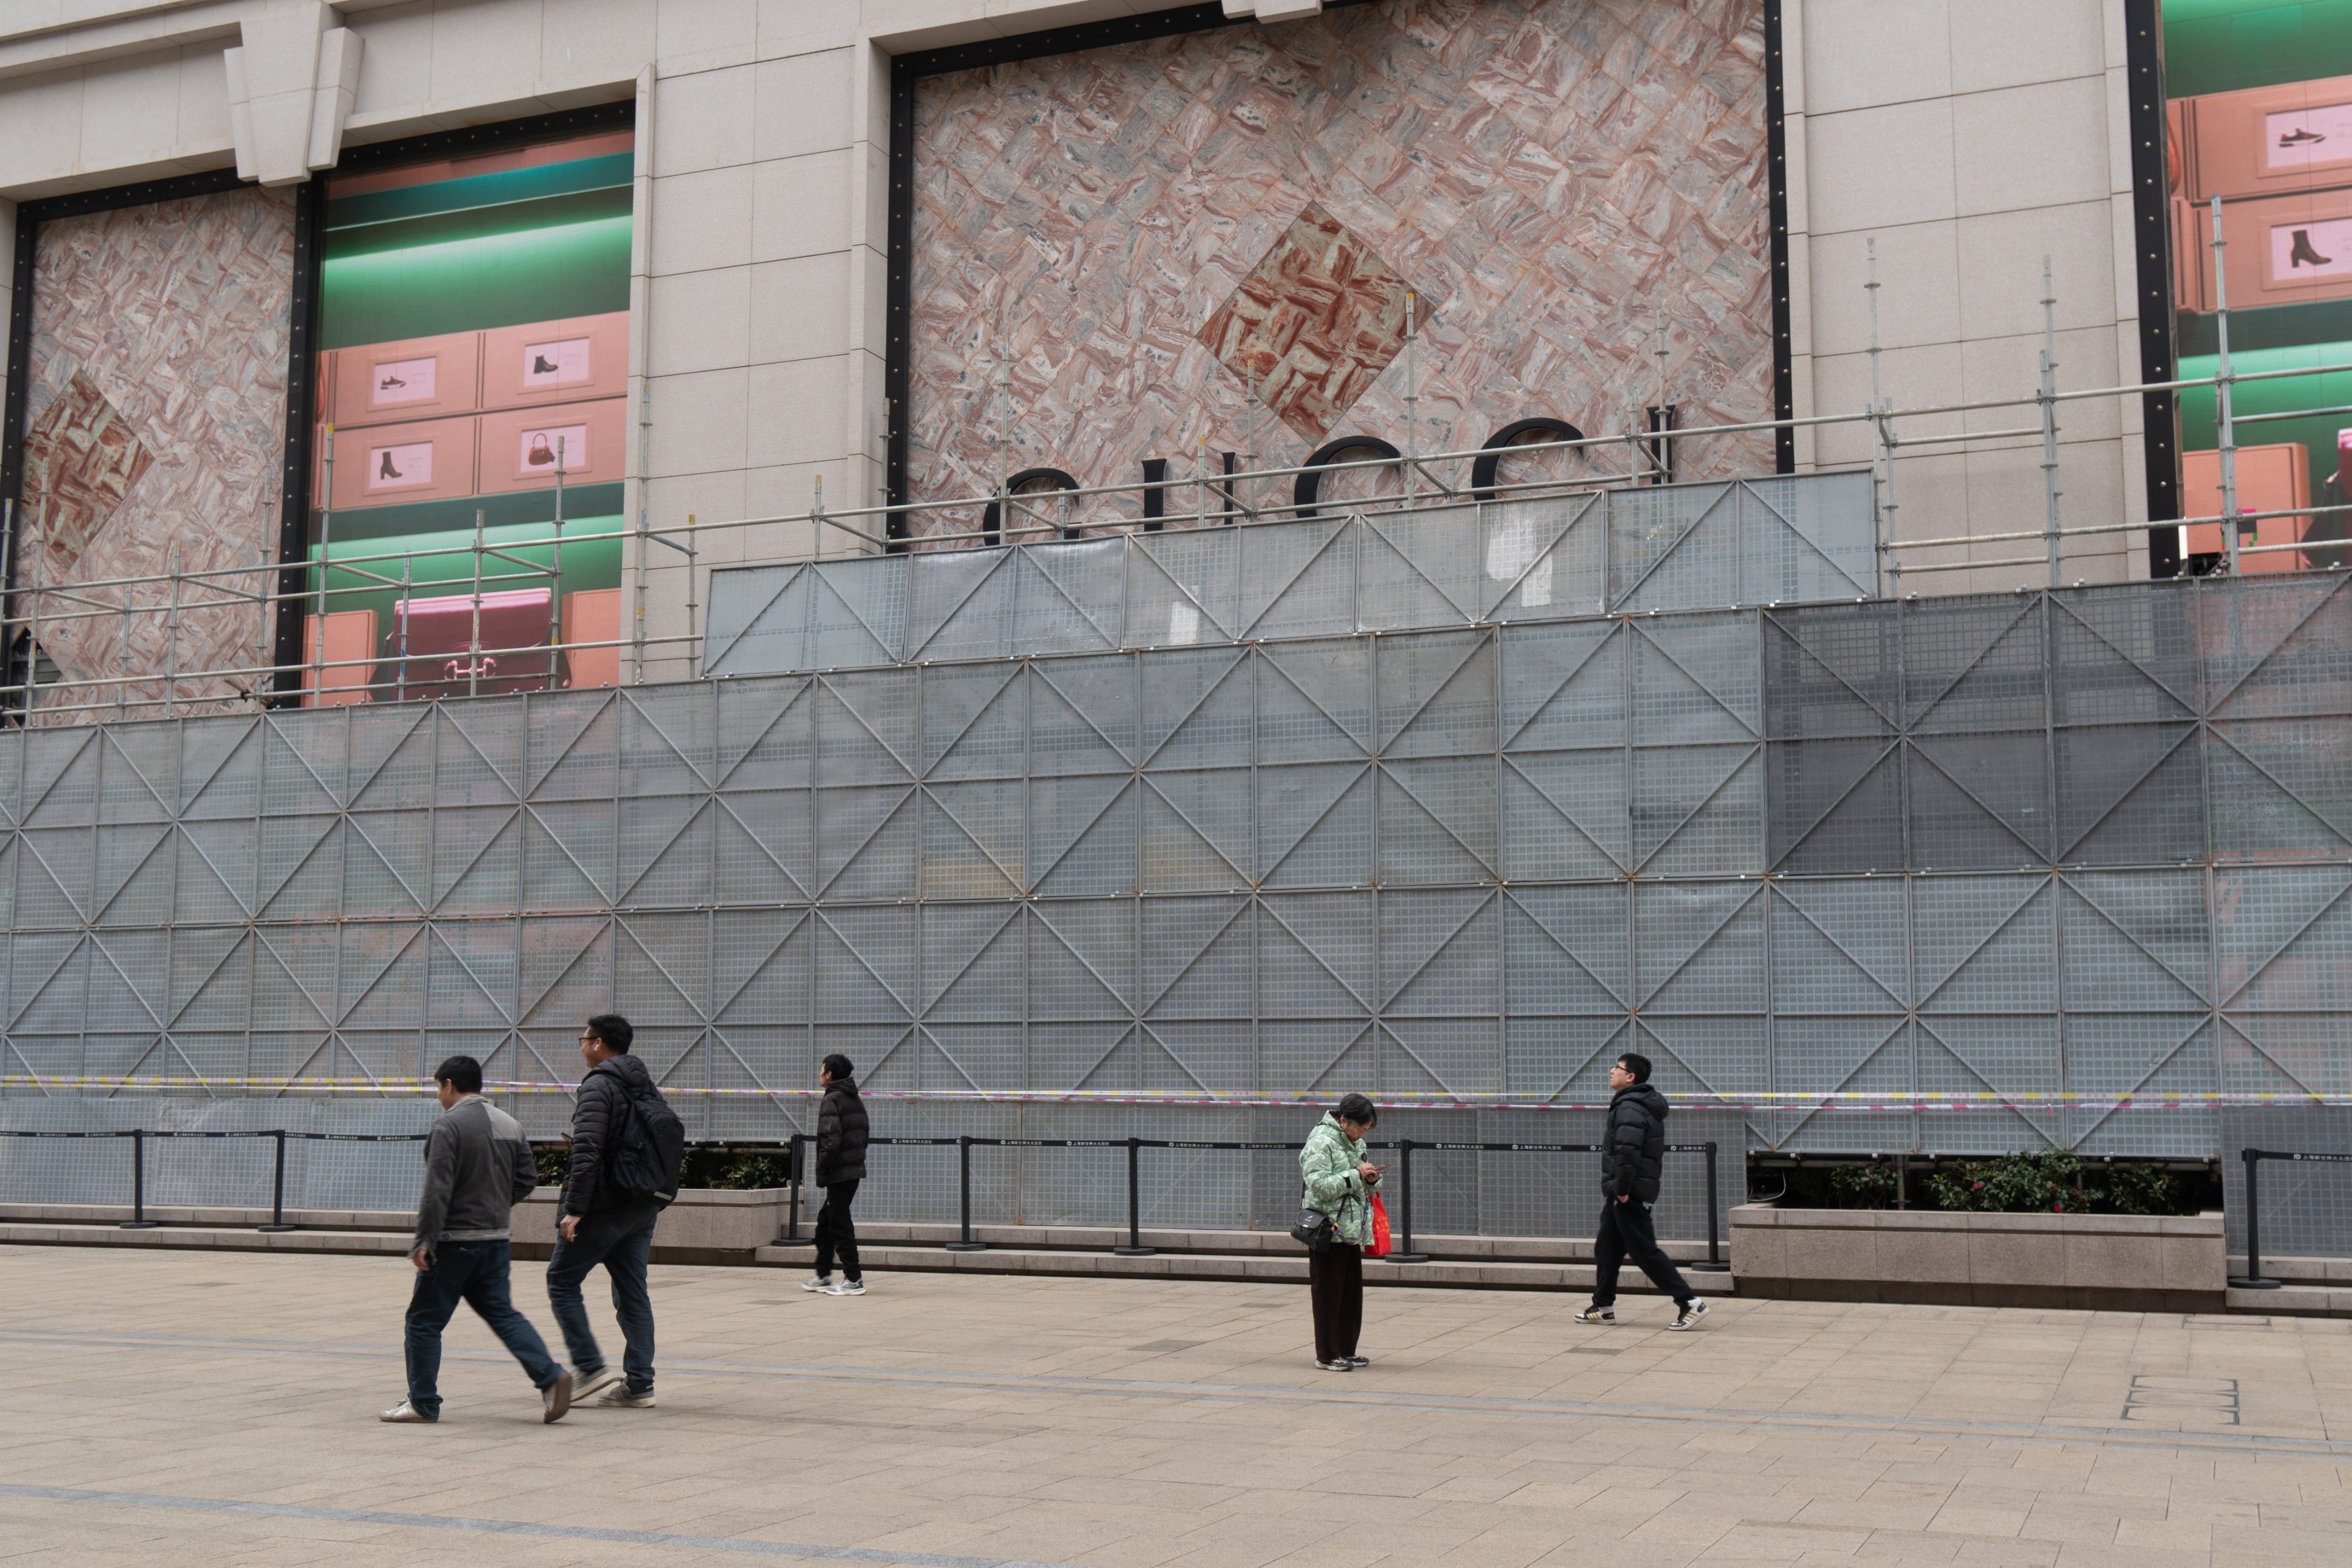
<point x="2056" y="1183"/>
<point x="1865" y="1187"/>
<point x="554" y="1160"/>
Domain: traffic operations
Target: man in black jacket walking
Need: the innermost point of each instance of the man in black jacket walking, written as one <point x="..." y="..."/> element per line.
<point x="1633" y="1151"/>
<point x="599" y="1225"/>
<point x="840" y="1166"/>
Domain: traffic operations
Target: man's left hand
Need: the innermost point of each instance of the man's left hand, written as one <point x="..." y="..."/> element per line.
<point x="422" y="1259"/>
<point x="568" y="1227"/>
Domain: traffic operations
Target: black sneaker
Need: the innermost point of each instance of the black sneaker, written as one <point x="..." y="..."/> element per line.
<point x="1692" y="1312"/>
<point x="1340" y="1365"/>
<point x="1358" y="1362"/>
<point x="1597" y="1313"/>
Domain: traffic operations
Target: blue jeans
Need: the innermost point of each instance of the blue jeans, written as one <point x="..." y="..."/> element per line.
<point x="474" y="1272"/>
<point x="622" y="1240"/>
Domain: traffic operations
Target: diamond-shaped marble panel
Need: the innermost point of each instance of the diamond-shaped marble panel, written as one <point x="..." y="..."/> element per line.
<point x="1313" y="324"/>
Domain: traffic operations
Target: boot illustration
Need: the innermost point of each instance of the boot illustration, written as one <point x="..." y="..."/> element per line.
<point x="2302" y="255"/>
<point x="539" y="366"/>
<point x="385" y="470"/>
<point x="541" y="454"/>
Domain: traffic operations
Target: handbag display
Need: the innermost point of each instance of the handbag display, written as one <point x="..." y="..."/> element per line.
<point x="1377" y="1244"/>
<point x="1313" y="1230"/>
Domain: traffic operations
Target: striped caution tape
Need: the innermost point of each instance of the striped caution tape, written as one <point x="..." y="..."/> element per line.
<point x="1759" y="1101"/>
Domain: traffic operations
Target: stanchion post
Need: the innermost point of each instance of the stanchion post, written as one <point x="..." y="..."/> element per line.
<point x="278" y="1190"/>
<point x="1134" y="1248"/>
<point x="797" y="1172"/>
<point x="1405" y="1254"/>
<point x="963" y="1180"/>
<point x="139" y="1220"/>
<point x="1715" y="1263"/>
<point x="2252" y="1279"/>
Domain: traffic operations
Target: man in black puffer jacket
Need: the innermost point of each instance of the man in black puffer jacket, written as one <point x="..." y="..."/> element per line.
<point x="1633" y="1151"/>
<point x="599" y="1225"/>
<point x="840" y="1166"/>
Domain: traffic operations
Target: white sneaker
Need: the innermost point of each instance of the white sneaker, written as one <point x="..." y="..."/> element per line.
<point x="406" y="1414"/>
<point x="817" y="1282"/>
<point x="1693" y="1311"/>
<point x="846" y="1287"/>
<point x="556" y="1397"/>
<point x="595" y="1383"/>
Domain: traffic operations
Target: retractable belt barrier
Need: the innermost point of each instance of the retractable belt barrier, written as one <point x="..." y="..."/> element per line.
<point x="964" y="1144"/>
<point x="2253" y="1280"/>
<point x="139" y="1136"/>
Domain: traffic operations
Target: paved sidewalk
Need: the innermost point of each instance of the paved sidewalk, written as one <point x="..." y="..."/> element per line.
<point x="178" y="1407"/>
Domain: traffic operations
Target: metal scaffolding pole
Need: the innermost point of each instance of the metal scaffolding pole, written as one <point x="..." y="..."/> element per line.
<point x="2050" y="419"/>
<point x="2222" y="387"/>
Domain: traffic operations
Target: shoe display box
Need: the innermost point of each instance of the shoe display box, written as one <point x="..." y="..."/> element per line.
<point x="519" y="446"/>
<point x="2283" y="250"/>
<point x="420" y="378"/>
<point x="2270" y="477"/>
<point x="388" y="465"/>
<point x="349" y="657"/>
<point x="2263" y="140"/>
<point x="571" y="361"/>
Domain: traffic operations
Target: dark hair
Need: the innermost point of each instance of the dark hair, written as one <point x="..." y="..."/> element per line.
<point x="613" y="1030"/>
<point x="1356" y="1108"/>
<point x="463" y="1074"/>
<point x="1637" y="1063"/>
<point x="838" y="1065"/>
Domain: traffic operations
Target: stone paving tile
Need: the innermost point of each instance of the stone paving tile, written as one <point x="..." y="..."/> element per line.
<point x="1111" y="1423"/>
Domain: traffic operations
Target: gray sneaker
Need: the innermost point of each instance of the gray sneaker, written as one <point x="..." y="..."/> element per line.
<point x="406" y="1414"/>
<point x="556" y="1397"/>
<point x="817" y="1282"/>
<point x="586" y="1387"/>
<point x="846" y="1288"/>
<point x="619" y="1397"/>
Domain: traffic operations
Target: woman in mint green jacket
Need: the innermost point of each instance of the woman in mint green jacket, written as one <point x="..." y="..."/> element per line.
<point x="1339" y="1182"/>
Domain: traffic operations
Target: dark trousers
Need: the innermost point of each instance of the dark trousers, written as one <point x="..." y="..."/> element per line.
<point x="837" y="1232"/>
<point x="622" y="1240"/>
<point x="1626" y="1232"/>
<point x="1335" y="1282"/>
<point x="474" y="1272"/>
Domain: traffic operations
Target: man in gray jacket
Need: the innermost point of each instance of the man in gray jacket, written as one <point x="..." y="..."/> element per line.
<point x="477" y="1168"/>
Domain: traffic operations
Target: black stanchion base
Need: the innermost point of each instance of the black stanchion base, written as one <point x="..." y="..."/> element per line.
<point x="1134" y="1252"/>
<point x="967" y="1247"/>
<point x="276" y="1229"/>
<point x="1708" y="1267"/>
<point x="793" y="1241"/>
<point x="140" y="1225"/>
<point x="1404" y="1258"/>
<point x="2255" y="1284"/>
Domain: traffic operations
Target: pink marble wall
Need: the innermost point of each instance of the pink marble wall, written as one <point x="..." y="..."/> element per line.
<point x="1551" y="177"/>
<point x="155" y="424"/>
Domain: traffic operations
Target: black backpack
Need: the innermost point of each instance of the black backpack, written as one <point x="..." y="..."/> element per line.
<point x="646" y="1149"/>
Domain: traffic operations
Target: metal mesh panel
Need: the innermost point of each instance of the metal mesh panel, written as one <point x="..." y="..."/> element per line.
<point x="2091" y="843"/>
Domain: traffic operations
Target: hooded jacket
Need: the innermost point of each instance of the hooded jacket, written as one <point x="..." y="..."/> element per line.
<point x="1333" y="1183"/>
<point x="1635" y="1146"/>
<point x="841" y="1134"/>
<point x="596" y="1117"/>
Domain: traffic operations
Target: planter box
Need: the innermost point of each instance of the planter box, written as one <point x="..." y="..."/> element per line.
<point x="2127" y="1262"/>
<point x="706" y="1225"/>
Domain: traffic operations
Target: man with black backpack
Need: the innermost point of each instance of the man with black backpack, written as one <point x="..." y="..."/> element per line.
<point x="626" y="1146"/>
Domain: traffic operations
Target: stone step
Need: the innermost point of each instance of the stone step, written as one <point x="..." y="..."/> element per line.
<point x="208" y="1238"/>
<point x="1253" y="1266"/>
<point x="2329" y="1271"/>
<point x="2294" y="1301"/>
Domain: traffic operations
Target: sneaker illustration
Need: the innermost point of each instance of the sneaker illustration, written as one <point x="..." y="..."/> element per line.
<point x="388" y="383"/>
<point x="556" y="1397"/>
<point x="2301" y="253"/>
<point x="1692" y="1312"/>
<point x="1597" y="1313"/>
<point x="846" y="1288"/>
<point x="405" y="1414"/>
<point x="2299" y="137"/>
<point x="817" y="1282"/>
<point x="620" y="1396"/>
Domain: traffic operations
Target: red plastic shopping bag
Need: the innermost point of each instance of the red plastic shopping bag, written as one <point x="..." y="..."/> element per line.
<point x="1377" y="1246"/>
